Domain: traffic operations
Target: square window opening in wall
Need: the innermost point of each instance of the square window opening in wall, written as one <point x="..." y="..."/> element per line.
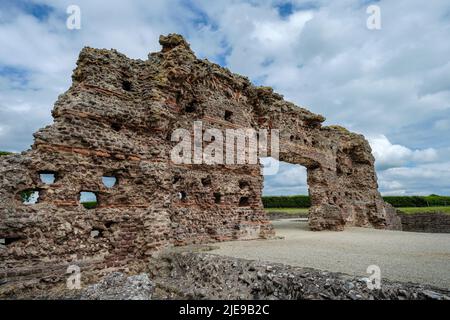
<point x="29" y="197"/>
<point x="109" y="181"/>
<point x="47" y="177"/>
<point x="206" y="182"/>
<point x="244" y="202"/>
<point x="109" y="224"/>
<point x="182" y="195"/>
<point x="176" y="179"/>
<point x="191" y="107"/>
<point x="96" y="233"/>
<point x="126" y="85"/>
<point x="116" y="126"/>
<point x="244" y="184"/>
<point x="228" y="115"/>
<point x="88" y="199"/>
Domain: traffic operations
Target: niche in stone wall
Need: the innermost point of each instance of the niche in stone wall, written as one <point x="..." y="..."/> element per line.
<point x="88" y="199"/>
<point x="244" y="202"/>
<point x="217" y="197"/>
<point x="176" y="178"/>
<point x="126" y="85"/>
<point x="116" y="126"/>
<point x="228" y="115"/>
<point x="190" y="107"/>
<point x="206" y="182"/>
<point x="244" y="184"/>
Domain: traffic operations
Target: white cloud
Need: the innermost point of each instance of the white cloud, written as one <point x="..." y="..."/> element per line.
<point x="388" y="155"/>
<point x="423" y="179"/>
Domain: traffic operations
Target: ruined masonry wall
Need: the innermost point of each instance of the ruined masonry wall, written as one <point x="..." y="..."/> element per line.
<point x="116" y="120"/>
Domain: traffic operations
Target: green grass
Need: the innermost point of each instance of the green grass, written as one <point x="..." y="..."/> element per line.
<point x="89" y="204"/>
<point x="425" y="210"/>
<point x="5" y="153"/>
<point x="303" y="211"/>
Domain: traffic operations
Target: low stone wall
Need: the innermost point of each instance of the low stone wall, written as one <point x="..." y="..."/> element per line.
<point x="179" y="274"/>
<point x="426" y="222"/>
<point x="191" y="275"/>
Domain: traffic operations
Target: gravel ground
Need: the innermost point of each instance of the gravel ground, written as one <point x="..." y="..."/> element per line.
<point x="403" y="256"/>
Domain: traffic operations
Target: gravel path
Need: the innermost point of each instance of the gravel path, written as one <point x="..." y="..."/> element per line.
<point x="402" y="256"/>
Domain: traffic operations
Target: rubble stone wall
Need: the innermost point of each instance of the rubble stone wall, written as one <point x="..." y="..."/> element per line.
<point x="192" y="275"/>
<point x="116" y="120"/>
<point x="426" y="222"/>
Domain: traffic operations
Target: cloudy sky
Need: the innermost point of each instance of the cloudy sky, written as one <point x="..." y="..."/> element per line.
<point x="392" y="84"/>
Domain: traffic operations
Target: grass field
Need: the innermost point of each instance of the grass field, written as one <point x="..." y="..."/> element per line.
<point x="304" y="211"/>
<point x="89" y="204"/>
<point x="295" y="211"/>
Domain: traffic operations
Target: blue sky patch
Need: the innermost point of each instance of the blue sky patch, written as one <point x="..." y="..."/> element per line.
<point x="16" y="76"/>
<point x="39" y="11"/>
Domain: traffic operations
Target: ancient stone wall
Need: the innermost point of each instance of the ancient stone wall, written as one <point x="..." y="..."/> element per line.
<point x="426" y="222"/>
<point x="116" y="120"/>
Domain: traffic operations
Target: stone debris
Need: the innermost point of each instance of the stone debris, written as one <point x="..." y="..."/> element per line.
<point x="206" y="276"/>
<point x="117" y="286"/>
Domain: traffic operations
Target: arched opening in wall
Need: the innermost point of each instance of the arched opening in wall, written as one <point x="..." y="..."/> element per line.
<point x="285" y="193"/>
<point x="88" y="199"/>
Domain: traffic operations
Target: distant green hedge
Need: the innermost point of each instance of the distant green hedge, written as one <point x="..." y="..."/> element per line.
<point x="396" y="201"/>
<point x="286" y="202"/>
<point x="418" y="201"/>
